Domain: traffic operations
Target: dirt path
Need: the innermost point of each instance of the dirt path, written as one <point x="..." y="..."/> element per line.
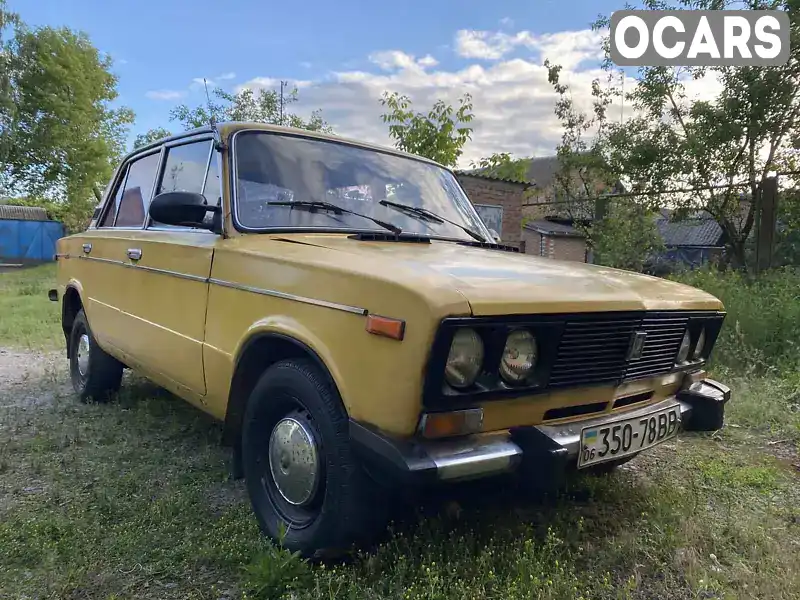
<point x="30" y="378"/>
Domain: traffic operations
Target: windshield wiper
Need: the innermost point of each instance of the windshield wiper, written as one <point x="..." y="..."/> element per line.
<point x="312" y="205"/>
<point x="424" y="212"/>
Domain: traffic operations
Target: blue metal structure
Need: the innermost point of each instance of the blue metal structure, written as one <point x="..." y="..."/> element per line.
<point x="29" y="240"/>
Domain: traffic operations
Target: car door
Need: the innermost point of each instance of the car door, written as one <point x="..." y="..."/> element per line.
<point x="102" y="254"/>
<point x="170" y="267"/>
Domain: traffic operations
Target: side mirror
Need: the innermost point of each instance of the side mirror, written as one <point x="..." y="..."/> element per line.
<point x="495" y="236"/>
<point x="184" y="209"/>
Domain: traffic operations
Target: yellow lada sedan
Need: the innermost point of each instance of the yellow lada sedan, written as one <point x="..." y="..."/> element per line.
<point x="345" y="312"/>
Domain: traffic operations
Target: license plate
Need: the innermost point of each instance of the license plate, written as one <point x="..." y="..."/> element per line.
<point x="610" y="441"/>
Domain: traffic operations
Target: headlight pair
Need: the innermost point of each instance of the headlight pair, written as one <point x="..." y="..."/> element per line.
<point x="686" y="344"/>
<point x="466" y="357"/>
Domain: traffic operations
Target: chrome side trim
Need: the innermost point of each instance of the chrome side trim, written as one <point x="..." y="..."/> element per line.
<point x="109" y="261"/>
<point x="276" y="294"/>
<point x="168" y="272"/>
<point x="121" y="263"/>
<point x="473" y="457"/>
<point x="236" y="286"/>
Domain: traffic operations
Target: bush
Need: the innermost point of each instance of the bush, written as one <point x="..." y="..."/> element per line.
<point x="762" y="327"/>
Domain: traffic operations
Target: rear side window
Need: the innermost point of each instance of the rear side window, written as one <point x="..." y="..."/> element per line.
<point x="185" y="168"/>
<point x="132" y="198"/>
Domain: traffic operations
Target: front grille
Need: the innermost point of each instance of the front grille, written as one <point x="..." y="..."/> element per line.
<point x="594" y="349"/>
<point x="664" y="335"/>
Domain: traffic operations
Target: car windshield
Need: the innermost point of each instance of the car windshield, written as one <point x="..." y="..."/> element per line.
<point x="277" y="168"/>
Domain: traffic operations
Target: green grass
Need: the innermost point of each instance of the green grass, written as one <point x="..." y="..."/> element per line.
<point x="133" y="500"/>
<point x="27" y="317"/>
<point x="762" y="328"/>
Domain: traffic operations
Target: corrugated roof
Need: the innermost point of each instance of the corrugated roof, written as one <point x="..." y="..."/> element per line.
<point x="479" y="175"/>
<point x="553" y="228"/>
<point x="22" y="213"/>
<point x="702" y="231"/>
<point x="543" y="170"/>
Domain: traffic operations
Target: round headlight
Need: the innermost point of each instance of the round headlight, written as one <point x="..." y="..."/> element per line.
<point x="698" y="347"/>
<point x="683" y="353"/>
<point x="465" y="360"/>
<point x="519" y="356"/>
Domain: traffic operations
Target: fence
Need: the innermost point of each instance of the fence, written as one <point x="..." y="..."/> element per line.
<point x="29" y="241"/>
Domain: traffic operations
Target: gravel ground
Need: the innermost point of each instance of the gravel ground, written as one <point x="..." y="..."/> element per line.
<point x="32" y="378"/>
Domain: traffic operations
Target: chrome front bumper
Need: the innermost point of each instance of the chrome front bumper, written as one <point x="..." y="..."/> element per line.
<point x="702" y="407"/>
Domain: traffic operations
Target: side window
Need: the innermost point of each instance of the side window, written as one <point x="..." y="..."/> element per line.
<point x="212" y="190"/>
<point x="111" y="213"/>
<point x="185" y="168"/>
<point x="132" y="198"/>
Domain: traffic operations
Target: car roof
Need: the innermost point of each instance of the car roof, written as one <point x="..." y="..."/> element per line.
<point x="228" y="128"/>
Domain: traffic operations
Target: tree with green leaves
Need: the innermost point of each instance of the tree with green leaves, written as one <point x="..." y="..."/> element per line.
<point x="676" y="141"/>
<point x="626" y="237"/>
<point x="150" y="136"/>
<point x="439" y="134"/>
<point x="60" y="138"/>
<point x="263" y="106"/>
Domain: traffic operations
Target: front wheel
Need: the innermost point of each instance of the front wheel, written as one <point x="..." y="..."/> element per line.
<point x="307" y="490"/>
<point x="95" y="374"/>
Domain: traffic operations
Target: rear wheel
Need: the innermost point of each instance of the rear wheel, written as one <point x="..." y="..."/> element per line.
<point x="95" y="374"/>
<point x="307" y="490"/>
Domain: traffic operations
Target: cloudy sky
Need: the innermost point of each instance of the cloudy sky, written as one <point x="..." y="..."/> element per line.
<point x="342" y="55"/>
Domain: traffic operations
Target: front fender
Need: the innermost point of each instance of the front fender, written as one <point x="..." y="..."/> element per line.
<point x="287" y="327"/>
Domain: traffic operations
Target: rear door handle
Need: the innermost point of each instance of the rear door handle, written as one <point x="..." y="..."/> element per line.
<point x="87" y="248"/>
<point x="134" y="253"/>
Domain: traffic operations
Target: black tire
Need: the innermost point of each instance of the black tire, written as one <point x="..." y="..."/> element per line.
<point x="344" y="507"/>
<point x="100" y="377"/>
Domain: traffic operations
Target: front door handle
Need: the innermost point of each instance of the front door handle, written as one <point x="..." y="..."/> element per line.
<point x="134" y="253"/>
<point x="87" y="248"/>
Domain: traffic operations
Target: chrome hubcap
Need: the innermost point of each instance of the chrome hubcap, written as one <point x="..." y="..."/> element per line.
<point x="294" y="461"/>
<point x="83" y="355"/>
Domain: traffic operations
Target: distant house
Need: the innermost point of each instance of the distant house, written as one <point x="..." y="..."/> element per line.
<point x="553" y="239"/>
<point x="498" y="202"/>
<point x="549" y="199"/>
<point x="536" y="216"/>
<point x="533" y="214"/>
<point x="693" y="241"/>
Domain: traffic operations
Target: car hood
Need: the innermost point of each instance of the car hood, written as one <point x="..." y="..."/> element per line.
<point x="495" y="282"/>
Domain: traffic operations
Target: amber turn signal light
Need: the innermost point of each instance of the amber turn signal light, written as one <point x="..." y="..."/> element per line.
<point x="391" y="328"/>
<point x="450" y="424"/>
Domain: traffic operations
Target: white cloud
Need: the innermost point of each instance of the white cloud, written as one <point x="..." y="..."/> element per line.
<point x="507" y="22"/>
<point x="271" y="83"/>
<point x="512" y="98"/>
<point x="427" y="61"/>
<point x="226" y="76"/>
<point x="487" y="45"/>
<point x="389" y="60"/>
<point x="567" y="48"/>
<point x="165" y="94"/>
<point x="513" y="103"/>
